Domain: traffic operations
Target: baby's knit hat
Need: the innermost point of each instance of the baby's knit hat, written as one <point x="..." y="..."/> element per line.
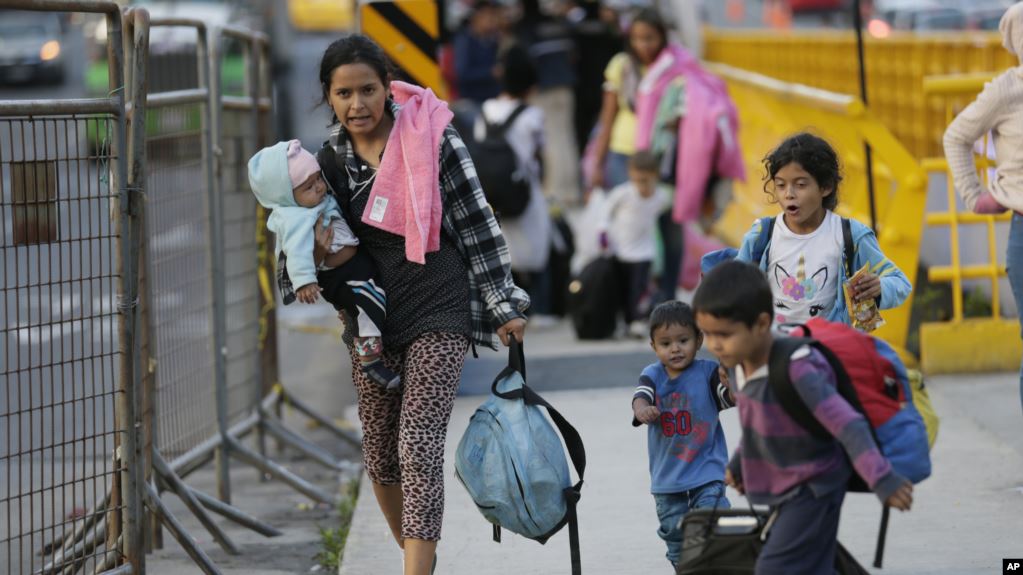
<point x="301" y="164"/>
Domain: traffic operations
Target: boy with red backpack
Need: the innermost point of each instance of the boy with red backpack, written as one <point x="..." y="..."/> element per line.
<point x="780" y="462"/>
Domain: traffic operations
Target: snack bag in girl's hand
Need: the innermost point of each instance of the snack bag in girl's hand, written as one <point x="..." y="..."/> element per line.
<point x="864" y="314"/>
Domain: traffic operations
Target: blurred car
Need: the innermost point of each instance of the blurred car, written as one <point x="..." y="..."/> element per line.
<point x="31" y="47"/>
<point x="915" y="16"/>
<point x="983" y="14"/>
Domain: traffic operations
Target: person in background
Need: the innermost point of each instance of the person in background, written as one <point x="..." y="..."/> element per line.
<point x="998" y="109"/>
<point x="475" y="53"/>
<point x="633" y="209"/>
<point x="548" y="39"/>
<point x="597" y="39"/>
<point x="619" y="127"/>
<point x="529" y="234"/>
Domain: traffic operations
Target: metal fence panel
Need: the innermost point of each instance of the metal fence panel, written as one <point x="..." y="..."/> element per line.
<point x="59" y="379"/>
<point x="240" y="265"/>
<point x="179" y="277"/>
<point x="240" y="138"/>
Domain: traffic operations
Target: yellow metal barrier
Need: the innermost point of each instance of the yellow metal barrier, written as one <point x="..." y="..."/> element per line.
<point x="771" y="109"/>
<point x="896" y="67"/>
<point x="966" y="344"/>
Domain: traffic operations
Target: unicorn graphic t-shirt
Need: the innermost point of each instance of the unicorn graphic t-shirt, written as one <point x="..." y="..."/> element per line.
<point x="803" y="270"/>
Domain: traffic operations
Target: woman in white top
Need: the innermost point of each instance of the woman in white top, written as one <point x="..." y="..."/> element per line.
<point x="998" y="109"/>
<point x="529" y="234"/>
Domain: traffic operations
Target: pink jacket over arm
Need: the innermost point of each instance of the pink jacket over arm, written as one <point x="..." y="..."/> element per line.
<point x="707" y="135"/>
<point x="405" y="198"/>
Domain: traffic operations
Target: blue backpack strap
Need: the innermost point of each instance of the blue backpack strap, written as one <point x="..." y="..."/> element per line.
<point x="761" y="246"/>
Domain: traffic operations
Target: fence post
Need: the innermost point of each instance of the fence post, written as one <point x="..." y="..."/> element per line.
<point x="216" y="209"/>
<point x="130" y="202"/>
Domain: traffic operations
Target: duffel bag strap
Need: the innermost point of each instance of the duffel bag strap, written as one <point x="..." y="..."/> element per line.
<point x="571" y="499"/>
<point x="573" y="441"/>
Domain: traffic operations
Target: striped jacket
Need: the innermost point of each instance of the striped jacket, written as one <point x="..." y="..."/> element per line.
<point x="469" y="221"/>
<point x="777" y="455"/>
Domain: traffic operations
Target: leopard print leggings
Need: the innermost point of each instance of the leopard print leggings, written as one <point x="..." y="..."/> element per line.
<point x="403" y="433"/>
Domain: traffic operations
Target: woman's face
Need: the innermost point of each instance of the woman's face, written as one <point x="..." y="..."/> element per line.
<point x="646" y="42"/>
<point x="358" y="97"/>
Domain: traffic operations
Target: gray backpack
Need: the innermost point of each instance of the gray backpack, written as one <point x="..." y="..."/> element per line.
<point x="511" y="461"/>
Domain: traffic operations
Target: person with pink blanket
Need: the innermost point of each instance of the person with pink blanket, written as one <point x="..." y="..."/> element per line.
<point x="404" y="177"/>
<point x="658" y="97"/>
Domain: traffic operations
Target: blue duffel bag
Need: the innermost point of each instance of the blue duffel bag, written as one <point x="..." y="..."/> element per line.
<point x="512" y="462"/>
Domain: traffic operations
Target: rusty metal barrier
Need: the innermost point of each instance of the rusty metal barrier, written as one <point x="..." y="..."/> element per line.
<point x="964" y="344"/>
<point x="895" y="66"/>
<point x="69" y="246"/>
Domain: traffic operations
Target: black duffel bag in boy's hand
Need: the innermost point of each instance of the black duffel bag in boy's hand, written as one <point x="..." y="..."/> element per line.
<point x="728" y="542"/>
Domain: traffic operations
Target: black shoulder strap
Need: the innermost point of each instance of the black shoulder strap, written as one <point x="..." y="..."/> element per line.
<point x="500" y="129"/>
<point x="788" y="397"/>
<point x="849" y="247"/>
<point x="778" y="379"/>
<point x="327" y="158"/>
<point x="573" y="442"/>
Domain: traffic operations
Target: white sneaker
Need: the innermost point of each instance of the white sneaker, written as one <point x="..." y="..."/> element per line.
<point x="541" y="321"/>
<point x="639" y="329"/>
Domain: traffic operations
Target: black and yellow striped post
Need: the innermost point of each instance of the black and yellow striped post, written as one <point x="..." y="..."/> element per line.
<point x="409" y="31"/>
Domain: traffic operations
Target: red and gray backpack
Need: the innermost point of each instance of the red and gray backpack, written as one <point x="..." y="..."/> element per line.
<point x="872" y="378"/>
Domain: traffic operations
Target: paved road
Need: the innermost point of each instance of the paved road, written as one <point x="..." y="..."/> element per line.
<point x="965" y="520"/>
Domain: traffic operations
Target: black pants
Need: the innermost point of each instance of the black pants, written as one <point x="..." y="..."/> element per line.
<point x="671" y="234"/>
<point x="635" y="279"/>
<point x="351" y="288"/>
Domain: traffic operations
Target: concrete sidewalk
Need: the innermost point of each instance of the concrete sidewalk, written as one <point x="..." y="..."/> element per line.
<point x="967" y="516"/>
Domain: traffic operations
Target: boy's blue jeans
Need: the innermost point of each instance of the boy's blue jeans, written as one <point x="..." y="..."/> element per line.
<point x="1014" y="263"/>
<point x="671" y="507"/>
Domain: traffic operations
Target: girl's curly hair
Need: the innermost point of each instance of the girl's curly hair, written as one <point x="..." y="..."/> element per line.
<point x="815" y="155"/>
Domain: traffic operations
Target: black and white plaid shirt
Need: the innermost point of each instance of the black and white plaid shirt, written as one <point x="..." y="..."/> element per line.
<point x="468" y="219"/>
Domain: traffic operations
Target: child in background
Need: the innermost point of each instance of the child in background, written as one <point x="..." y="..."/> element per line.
<point x="778" y="462"/>
<point x="632" y="212"/>
<point x="804" y="259"/>
<point x="286" y="179"/>
<point x="679" y="398"/>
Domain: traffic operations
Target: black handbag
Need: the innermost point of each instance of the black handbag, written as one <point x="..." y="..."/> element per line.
<point x="722" y="541"/>
<point x="728" y="542"/>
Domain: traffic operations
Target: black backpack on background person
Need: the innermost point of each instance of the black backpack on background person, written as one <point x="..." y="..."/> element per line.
<point x="504" y="180"/>
<point x="594" y="298"/>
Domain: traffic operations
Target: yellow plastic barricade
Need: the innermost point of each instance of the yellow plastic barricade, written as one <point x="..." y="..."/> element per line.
<point x="966" y="344"/>
<point x="895" y="66"/>
<point x="771" y="109"/>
